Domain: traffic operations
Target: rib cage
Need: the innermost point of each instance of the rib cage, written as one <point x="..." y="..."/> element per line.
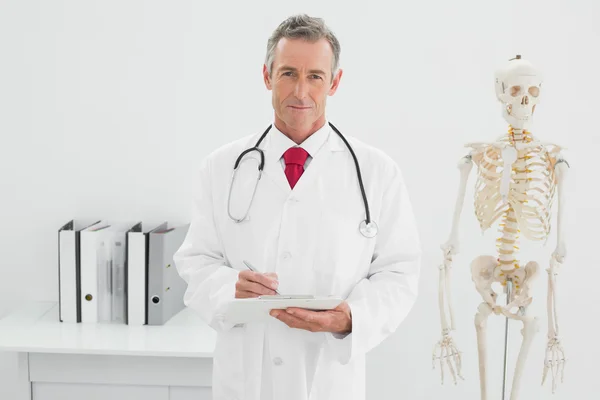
<point x="531" y="190"/>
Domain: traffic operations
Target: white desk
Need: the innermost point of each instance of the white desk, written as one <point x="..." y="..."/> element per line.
<point x="60" y="361"/>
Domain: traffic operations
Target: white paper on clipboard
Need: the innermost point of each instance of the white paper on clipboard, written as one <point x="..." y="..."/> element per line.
<point x="240" y="311"/>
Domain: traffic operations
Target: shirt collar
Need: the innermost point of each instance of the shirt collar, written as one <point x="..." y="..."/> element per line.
<point x="279" y="142"/>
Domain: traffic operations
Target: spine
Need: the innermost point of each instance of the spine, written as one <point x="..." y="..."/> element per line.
<point x="508" y="243"/>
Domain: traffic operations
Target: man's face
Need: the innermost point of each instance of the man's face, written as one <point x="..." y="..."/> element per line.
<point x="301" y="81"/>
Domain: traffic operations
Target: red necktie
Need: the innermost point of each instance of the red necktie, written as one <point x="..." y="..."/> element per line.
<point x="294" y="157"/>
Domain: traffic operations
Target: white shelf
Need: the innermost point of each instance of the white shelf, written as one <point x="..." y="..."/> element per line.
<point x="35" y="328"/>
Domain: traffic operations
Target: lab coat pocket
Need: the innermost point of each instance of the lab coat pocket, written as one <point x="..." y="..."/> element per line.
<point x="344" y="253"/>
<point x="228" y="364"/>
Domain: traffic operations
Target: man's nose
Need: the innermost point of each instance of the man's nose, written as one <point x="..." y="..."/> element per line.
<point x="301" y="88"/>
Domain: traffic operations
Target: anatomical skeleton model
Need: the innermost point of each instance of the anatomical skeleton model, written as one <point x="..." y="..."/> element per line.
<point x="517" y="179"/>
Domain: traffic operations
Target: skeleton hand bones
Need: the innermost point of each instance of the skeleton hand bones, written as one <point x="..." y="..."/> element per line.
<point x="445" y="349"/>
<point x="555" y="359"/>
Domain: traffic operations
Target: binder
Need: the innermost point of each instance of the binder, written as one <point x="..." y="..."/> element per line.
<point x="69" y="270"/>
<point x="136" y="273"/>
<point x="103" y="272"/>
<point x="165" y="286"/>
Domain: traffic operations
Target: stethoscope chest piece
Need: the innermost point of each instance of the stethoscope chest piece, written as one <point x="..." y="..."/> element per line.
<point x="368" y="230"/>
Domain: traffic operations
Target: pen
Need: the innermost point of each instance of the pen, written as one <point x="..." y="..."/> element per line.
<point x="251" y="268"/>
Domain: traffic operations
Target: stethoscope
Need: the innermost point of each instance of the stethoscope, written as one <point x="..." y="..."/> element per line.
<point x="367" y="227"/>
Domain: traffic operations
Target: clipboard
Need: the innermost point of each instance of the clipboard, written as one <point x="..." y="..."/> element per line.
<point x="256" y="309"/>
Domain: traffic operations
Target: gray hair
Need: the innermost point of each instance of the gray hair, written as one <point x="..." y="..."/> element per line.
<point x="301" y="26"/>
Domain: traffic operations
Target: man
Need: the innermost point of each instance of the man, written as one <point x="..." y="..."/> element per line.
<point x="302" y="233"/>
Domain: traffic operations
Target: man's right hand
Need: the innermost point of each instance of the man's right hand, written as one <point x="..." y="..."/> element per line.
<point x="254" y="284"/>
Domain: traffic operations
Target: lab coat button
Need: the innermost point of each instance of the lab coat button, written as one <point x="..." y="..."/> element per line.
<point x="286" y="255"/>
<point x="277" y="361"/>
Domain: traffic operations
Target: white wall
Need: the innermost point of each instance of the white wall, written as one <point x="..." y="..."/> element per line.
<point x="106" y="107"/>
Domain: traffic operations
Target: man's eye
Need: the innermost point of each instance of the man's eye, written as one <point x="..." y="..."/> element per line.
<point x="287" y="73"/>
<point x="317" y="76"/>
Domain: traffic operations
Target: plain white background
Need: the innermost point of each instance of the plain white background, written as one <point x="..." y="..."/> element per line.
<point x="107" y="107"/>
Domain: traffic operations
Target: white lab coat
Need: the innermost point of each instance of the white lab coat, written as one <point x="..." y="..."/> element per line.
<point x="309" y="236"/>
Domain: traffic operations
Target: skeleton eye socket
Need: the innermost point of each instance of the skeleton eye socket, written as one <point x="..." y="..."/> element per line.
<point x="534" y="91"/>
<point x="515" y="90"/>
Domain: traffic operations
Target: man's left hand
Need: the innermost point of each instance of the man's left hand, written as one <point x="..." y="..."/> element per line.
<point x="338" y="320"/>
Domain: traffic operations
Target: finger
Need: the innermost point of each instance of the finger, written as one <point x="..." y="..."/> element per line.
<point x="442" y="355"/>
<point x="244" y="294"/>
<point x="554" y="369"/>
<point x="434" y="354"/>
<point x="545" y="372"/>
<point x="254" y="287"/>
<point x="295" y="322"/>
<point x="449" y="362"/>
<point x="343" y="307"/>
<point x="562" y="371"/>
<point x="240" y="292"/>
<point x="299" y="323"/>
<point x="271" y="275"/>
<point x="562" y="364"/>
<point x="458" y="362"/>
<point x="263" y="279"/>
<point x="322" y="318"/>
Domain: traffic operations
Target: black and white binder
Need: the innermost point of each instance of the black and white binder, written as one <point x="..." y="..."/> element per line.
<point x="69" y="270"/>
<point x="137" y="270"/>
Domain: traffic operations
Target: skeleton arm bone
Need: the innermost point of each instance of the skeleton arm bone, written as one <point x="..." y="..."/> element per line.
<point x="561" y="167"/>
<point x="555" y="356"/>
<point x="451" y="247"/>
<point x="559" y="253"/>
<point x="445" y="350"/>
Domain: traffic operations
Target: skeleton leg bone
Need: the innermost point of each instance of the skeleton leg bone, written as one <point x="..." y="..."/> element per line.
<point x="484" y="311"/>
<point x="530" y="328"/>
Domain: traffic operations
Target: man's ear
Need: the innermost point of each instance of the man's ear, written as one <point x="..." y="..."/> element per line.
<point x="336" y="82"/>
<point x="266" y="77"/>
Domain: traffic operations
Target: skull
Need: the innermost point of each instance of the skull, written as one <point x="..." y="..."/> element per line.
<point x="518" y="89"/>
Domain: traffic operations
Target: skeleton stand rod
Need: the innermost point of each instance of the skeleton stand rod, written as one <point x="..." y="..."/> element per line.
<point x="508" y="299"/>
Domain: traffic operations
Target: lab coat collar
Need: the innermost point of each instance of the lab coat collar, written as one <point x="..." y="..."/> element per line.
<point x="321" y="144"/>
<point x="279" y="143"/>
